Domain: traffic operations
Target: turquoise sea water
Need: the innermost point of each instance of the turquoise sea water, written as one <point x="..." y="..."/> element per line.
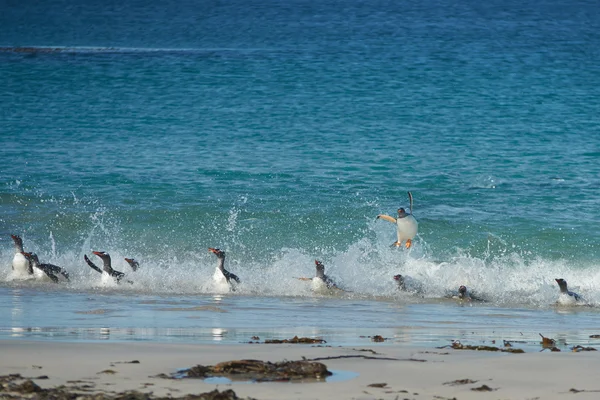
<point x="277" y="131"/>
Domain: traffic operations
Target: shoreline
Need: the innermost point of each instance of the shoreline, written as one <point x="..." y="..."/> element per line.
<point x="426" y="373"/>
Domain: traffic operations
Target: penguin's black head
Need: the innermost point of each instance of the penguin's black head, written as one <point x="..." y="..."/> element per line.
<point x="462" y="290"/>
<point x="219" y="253"/>
<point x="400" y="280"/>
<point x="320" y="266"/>
<point x="102" y="254"/>
<point x="562" y="284"/>
<point x="17" y="239"/>
<point x="132" y="263"/>
<point x="32" y="257"/>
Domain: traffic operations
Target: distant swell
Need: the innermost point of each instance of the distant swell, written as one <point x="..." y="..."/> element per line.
<point x="116" y="50"/>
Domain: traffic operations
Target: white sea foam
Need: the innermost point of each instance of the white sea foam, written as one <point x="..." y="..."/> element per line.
<point x="365" y="268"/>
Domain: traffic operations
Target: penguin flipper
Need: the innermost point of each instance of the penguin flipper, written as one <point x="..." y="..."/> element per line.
<point x="91" y="264"/>
<point x="387" y="218"/>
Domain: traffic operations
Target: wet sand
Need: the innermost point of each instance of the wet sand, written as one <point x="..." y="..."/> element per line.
<point x="399" y="373"/>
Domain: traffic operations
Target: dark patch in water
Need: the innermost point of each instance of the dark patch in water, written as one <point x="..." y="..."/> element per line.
<point x="459" y="346"/>
<point x="579" y="348"/>
<point x="295" y="339"/>
<point x="98" y="311"/>
<point x="376" y="338"/>
<point x="198" y="308"/>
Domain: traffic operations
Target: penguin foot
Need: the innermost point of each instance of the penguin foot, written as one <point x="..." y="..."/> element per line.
<point x="396" y="244"/>
<point x="408" y="243"/>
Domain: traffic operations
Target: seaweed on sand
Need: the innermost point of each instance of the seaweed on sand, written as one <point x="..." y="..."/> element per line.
<point x="14" y="386"/>
<point x="260" y="371"/>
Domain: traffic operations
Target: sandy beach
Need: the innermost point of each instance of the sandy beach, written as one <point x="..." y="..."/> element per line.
<point x="399" y="373"/>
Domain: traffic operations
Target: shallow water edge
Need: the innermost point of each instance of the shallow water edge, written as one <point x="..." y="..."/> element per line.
<point x="235" y="319"/>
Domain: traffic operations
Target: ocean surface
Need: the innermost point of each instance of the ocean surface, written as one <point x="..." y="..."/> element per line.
<point x="278" y="131"/>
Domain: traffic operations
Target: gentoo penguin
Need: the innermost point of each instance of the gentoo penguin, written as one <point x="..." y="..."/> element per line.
<point x="321" y="283"/>
<point x="49" y="269"/>
<point x="567" y="297"/>
<point x="406" y="224"/>
<point x="408" y="284"/>
<point x="21" y="266"/>
<point x="400" y="282"/>
<point x="132" y="263"/>
<point x="107" y="270"/>
<point x="465" y="294"/>
<point x="222" y="278"/>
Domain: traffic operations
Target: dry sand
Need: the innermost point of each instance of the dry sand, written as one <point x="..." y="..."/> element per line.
<point x="407" y="373"/>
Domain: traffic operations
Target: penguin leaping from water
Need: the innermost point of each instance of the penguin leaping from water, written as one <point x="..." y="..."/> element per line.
<point x="223" y="278"/>
<point x="406" y="224"/>
<point x="567" y="297"/>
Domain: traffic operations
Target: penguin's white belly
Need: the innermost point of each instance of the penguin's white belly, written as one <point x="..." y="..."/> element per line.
<point x="407" y="228"/>
<point x="107" y="280"/>
<point x="20" y="266"/>
<point x="220" y="282"/>
<point x="566" y="300"/>
<point x="318" y="285"/>
<point x="39" y="274"/>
